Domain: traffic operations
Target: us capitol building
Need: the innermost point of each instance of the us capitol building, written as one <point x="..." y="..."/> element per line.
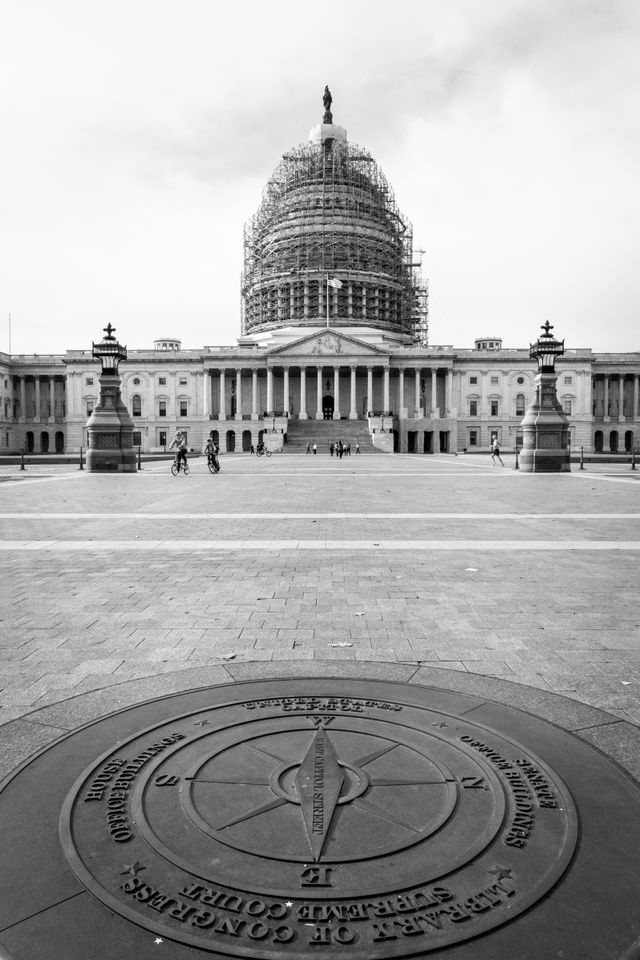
<point x="334" y="328"/>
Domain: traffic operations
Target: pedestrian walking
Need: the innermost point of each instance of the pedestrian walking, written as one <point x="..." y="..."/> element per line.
<point x="495" y="452"/>
<point x="357" y="446"/>
<point x="308" y="447"/>
<point x="315" y="449"/>
<point x="330" y="449"/>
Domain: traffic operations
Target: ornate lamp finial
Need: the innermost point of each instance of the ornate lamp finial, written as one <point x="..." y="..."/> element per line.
<point x="327" y="100"/>
<point x="547" y="327"/>
<point x="109" y="330"/>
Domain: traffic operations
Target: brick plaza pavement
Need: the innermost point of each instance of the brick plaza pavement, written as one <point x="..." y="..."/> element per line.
<point x="445" y="562"/>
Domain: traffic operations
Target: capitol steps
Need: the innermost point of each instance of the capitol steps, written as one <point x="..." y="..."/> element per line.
<point x="324" y="432"/>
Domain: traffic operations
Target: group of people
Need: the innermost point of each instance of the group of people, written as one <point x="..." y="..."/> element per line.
<point x="179" y="444"/>
<point x="339" y="448"/>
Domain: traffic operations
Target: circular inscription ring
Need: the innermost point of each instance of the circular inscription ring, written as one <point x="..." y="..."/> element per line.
<point x="315" y="825"/>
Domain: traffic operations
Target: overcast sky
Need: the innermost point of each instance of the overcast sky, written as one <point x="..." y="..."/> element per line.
<point x="136" y="137"/>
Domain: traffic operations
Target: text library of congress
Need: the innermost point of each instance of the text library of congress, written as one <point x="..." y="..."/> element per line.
<point x="334" y="328"/>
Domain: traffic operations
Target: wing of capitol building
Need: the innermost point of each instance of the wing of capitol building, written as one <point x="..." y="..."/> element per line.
<point x="334" y="328"/>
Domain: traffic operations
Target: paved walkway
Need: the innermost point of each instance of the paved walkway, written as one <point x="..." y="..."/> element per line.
<point x="442" y="561"/>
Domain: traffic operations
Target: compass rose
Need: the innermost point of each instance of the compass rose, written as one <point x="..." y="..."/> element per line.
<point x="326" y="780"/>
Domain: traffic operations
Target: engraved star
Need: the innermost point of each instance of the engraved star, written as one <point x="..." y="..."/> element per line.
<point x="158" y="940"/>
<point x="501" y="873"/>
<point x="289" y="903"/>
<point x="440" y="725"/>
<point x="133" y="868"/>
<point x="202" y="723"/>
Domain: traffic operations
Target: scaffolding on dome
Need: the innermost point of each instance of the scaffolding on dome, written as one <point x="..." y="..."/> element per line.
<point x="328" y="212"/>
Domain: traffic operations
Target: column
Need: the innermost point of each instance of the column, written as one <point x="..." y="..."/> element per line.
<point x="319" y="390"/>
<point x="238" y="394"/>
<point x="206" y="400"/>
<point x="254" y="394"/>
<point x="269" y="390"/>
<point x="434" y="398"/>
<point x="286" y="390"/>
<point x="353" y="413"/>
<point x="401" y="392"/>
<point x="385" y="390"/>
<point x="37" y="393"/>
<point x="222" y="415"/>
<point x="52" y="399"/>
<point x="350" y="300"/>
<point x="336" y="393"/>
<point x="636" y="381"/>
<point x="418" y="412"/>
<point x="449" y="397"/>
<point x="23" y="398"/>
<point x="306" y="298"/>
<point x="303" y="394"/>
<point x="621" y="398"/>
<point x="292" y="302"/>
<point x="369" y="389"/>
<point x="606" y="395"/>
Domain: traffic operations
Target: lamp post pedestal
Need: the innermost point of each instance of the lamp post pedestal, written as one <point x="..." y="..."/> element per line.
<point x="545" y="427"/>
<point x="110" y="427"/>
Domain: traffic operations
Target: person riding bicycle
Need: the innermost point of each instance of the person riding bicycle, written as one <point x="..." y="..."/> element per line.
<point x="260" y="448"/>
<point x="180" y="443"/>
<point x="212" y="449"/>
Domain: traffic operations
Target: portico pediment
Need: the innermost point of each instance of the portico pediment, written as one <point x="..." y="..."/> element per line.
<point x="327" y="343"/>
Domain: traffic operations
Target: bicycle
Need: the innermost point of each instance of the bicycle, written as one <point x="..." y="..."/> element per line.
<point x="179" y="465"/>
<point x="213" y="464"/>
<point x="263" y="451"/>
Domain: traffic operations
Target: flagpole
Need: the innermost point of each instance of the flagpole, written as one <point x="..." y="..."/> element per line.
<point x="327" y="301"/>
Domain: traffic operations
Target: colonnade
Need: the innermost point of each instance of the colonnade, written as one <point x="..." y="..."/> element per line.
<point x="613" y="396"/>
<point x="43" y="394"/>
<point x="308" y="374"/>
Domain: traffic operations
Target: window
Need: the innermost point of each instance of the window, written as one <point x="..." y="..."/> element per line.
<point x="162" y="408"/>
<point x="162" y="438"/>
<point x="520" y="405"/>
<point x="566" y="406"/>
<point x="183" y="381"/>
<point x="520" y="380"/>
<point x="136" y="381"/>
<point x="473" y="408"/>
<point x="89" y="381"/>
<point x="473" y="438"/>
<point x="494" y="381"/>
<point x="473" y="379"/>
<point x="183" y="408"/>
<point x="136" y="406"/>
<point x="568" y="381"/>
<point x="137" y="438"/>
<point x="162" y="381"/>
<point x="494" y="408"/>
<point x="90" y="404"/>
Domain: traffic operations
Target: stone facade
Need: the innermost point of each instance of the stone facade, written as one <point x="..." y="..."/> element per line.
<point x="428" y="399"/>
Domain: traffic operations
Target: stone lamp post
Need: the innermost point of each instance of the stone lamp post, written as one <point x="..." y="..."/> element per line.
<point x="545" y="427"/>
<point x="110" y="427"/>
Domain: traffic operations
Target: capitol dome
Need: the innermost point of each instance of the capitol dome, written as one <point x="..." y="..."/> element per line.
<point x="329" y="245"/>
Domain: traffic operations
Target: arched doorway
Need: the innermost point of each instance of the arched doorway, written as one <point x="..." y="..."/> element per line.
<point x="44" y="442"/>
<point x="327" y="407"/>
<point x="628" y="441"/>
<point x="427" y="442"/>
<point x="59" y="441"/>
<point x="214" y="436"/>
<point x="396" y="441"/>
<point x="613" y="441"/>
<point x="246" y="441"/>
<point x="598" y="441"/>
<point x="231" y="441"/>
<point x="30" y="441"/>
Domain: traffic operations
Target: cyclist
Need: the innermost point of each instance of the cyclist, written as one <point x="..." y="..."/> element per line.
<point x="180" y="443"/>
<point x="260" y="447"/>
<point x="212" y="449"/>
